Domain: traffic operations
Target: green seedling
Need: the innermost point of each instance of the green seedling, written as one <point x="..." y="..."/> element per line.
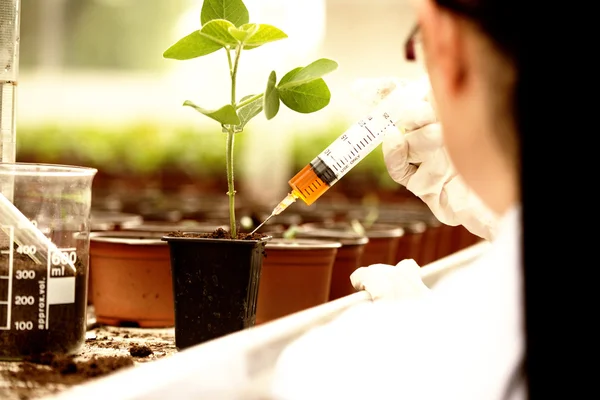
<point x="371" y="203"/>
<point x="291" y="232"/>
<point x="225" y="25"/>
<point x="357" y="227"/>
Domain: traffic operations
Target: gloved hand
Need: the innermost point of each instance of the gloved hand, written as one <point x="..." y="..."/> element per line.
<point x="390" y="282"/>
<point x="418" y="160"/>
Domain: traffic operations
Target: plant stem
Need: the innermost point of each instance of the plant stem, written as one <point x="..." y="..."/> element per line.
<point x="230" y="186"/>
<point x="229" y="61"/>
<point x="238" y="53"/>
<point x="229" y="149"/>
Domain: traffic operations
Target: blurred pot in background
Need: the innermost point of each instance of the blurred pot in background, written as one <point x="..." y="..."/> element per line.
<point x="348" y="258"/>
<point x="131" y="279"/>
<point x="296" y="275"/>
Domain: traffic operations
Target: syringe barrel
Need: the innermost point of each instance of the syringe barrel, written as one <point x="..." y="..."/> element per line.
<point x="307" y="185"/>
<point x="344" y="153"/>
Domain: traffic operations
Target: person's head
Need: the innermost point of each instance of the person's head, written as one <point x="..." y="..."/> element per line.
<point x="471" y="52"/>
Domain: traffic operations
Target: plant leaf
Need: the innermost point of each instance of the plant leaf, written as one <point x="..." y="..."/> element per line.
<point x="271" y="98"/>
<point x="248" y="112"/>
<point x="234" y="11"/>
<point x="307" y="97"/>
<point x="226" y="115"/>
<point x="218" y="31"/>
<point x="192" y="46"/>
<point x="313" y="71"/>
<point x="242" y="34"/>
<point x="289" y="76"/>
<point x="261" y="34"/>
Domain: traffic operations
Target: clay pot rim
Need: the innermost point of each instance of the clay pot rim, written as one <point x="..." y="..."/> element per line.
<point x="128" y="237"/>
<point x="252" y="242"/>
<point x="102" y="226"/>
<point x="345" y="238"/>
<point x="409" y="225"/>
<point x="378" y="230"/>
<point x="302" y="243"/>
<point x="381" y="230"/>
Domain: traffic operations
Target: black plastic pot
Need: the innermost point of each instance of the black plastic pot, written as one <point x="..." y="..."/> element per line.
<point x="215" y="286"/>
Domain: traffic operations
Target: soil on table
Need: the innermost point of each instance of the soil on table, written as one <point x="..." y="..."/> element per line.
<point x="50" y="373"/>
<point x="51" y="368"/>
<point x="106" y="350"/>
<point x="218" y="233"/>
<point x="35" y="327"/>
<point x="140" y="343"/>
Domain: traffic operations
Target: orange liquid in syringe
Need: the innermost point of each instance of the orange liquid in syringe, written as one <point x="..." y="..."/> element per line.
<point x="307" y="186"/>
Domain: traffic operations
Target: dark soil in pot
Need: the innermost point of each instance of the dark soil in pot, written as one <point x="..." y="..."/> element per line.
<point x="218" y="233"/>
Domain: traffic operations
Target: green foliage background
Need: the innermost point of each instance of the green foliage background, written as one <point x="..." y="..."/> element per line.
<point x="146" y="149"/>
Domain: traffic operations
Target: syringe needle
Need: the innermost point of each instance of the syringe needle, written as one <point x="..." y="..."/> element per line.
<point x="285" y="203"/>
<point x="261" y="224"/>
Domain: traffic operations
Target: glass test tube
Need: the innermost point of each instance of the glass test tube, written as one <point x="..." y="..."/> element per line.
<point x="9" y="70"/>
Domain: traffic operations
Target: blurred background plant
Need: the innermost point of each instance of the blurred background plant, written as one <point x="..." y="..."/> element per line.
<point x="94" y="90"/>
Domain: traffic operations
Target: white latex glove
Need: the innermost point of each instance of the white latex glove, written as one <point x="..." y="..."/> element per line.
<point x="418" y="159"/>
<point x="383" y="281"/>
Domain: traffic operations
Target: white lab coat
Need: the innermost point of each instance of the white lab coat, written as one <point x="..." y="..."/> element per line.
<point x="462" y="340"/>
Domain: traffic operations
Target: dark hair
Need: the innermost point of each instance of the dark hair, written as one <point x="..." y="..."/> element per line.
<point x="504" y="25"/>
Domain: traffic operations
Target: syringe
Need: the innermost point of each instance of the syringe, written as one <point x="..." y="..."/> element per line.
<point x="341" y="156"/>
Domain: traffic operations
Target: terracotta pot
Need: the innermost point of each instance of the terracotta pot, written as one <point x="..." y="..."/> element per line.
<point x="383" y="244"/>
<point x="296" y="275"/>
<point x="215" y="286"/>
<point x="131" y="279"/>
<point x="430" y="245"/>
<point x="409" y="245"/>
<point x="348" y="258"/>
<point x="425" y="238"/>
<point x="97" y="225"/>
<point x="159" y="228"/>
<point x="431" y="240"/>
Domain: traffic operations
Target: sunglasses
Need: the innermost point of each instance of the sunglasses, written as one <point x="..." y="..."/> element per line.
<point x="409" y="44"/>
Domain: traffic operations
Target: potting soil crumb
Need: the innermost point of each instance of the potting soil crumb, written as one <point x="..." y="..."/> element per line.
<point x="140" y="351"/>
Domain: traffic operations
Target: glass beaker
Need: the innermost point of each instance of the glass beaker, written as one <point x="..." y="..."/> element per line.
<point x="44" y="257"/>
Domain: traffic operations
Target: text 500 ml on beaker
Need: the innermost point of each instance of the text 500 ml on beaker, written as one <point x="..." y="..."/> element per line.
<point x="44" y="247"/>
